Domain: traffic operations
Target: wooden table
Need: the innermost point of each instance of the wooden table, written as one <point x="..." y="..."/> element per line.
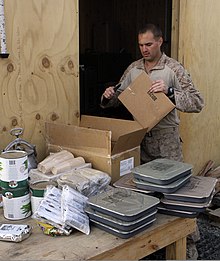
<point x="166" y="231"/>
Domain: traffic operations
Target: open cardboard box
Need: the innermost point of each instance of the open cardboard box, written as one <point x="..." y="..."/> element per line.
<point x="113" y="145"/>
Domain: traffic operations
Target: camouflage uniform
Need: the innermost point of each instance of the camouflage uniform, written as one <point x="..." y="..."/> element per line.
<point x="163" y="141"/>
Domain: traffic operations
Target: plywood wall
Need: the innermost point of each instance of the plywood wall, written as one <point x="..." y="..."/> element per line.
<point x="199" y="51"/>
<point x="39" y="80"/>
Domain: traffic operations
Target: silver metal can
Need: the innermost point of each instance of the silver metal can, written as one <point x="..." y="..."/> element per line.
<point x="13" y="166"/>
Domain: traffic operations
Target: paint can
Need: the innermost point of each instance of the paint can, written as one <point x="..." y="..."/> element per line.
<point x="13" y="184"/>
<point x="1" y="204"/>
<point x="13" y="166"/>
<point x="37" y="192"/>
<point x="16" y="203"/>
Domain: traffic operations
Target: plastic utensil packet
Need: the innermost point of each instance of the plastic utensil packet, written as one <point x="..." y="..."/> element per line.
<point x="14" y="232"/>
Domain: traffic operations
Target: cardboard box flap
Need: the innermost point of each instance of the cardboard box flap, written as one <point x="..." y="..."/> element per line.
<point x="128" y="141"/>
<point x="147" y="108"/>
<point x="79" y="138"/>
<point x="118" y="127"/>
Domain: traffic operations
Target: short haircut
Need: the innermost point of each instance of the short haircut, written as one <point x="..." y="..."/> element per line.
<point x="154" y="29"/>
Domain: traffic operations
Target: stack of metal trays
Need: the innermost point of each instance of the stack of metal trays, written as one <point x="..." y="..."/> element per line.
<point x="122" y="212"/>
<point x="191" y="199"/>
<point x="162" y="175"/>
<point x="126" y="181"/>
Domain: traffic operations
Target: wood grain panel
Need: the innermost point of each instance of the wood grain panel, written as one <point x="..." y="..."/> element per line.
<point x="39" y="80"/>
<point x="99" y="245"/>
<point x="199" y="41"/>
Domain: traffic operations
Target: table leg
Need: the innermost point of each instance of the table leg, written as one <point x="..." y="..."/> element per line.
<point x="176" y="250"/>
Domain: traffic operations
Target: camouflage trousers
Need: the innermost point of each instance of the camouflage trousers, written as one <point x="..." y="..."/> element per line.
<point x="164" y="143"/>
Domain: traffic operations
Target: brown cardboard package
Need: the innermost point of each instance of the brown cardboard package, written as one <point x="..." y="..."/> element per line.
<point x="112" y="145"/>
<point x="147" y="108"/>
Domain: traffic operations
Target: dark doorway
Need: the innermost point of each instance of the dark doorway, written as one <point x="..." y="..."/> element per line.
<point x="108" y="44"/>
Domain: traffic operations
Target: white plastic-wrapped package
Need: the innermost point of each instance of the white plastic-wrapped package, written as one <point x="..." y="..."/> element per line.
<point x="49" y="210"/>
<point x="87" y="181"/>
<point x="73" y="214"/>
<point x="35" y="175"/>
<point x="75" y="181"/>
<point x="99" y="180"/>
<point x="63" y="209"/>
<point x="67" y="165"/>
<point x="70" y="195"/>
<point x="14" y="232"/>
<point x="53" y="160"/>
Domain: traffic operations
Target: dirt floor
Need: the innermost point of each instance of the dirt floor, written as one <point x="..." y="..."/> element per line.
<point x="208" y="246"/>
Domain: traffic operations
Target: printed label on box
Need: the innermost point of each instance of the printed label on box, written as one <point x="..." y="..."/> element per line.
<point x="126" y="166"/>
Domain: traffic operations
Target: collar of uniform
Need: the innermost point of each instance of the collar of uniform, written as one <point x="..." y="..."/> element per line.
<point x="140" y="64"/>
<point x="161" y="63"/>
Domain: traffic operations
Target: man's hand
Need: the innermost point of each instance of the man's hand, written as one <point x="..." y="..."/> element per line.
<point x="159" y="86"/>
<point x="109" y="92"/>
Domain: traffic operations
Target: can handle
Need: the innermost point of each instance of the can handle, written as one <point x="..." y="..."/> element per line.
<point x="15" y="143"/>
<point x="16" y="132"/>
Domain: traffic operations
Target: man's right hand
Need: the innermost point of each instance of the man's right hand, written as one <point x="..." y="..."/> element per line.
<point x="109" y="92"/>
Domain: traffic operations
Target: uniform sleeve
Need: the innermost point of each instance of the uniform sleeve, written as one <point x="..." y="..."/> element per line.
<point x="187" y="97"/>
<point x="114" y="101"/>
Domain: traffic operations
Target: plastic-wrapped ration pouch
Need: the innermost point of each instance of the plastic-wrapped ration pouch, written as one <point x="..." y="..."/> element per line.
<point x="14" y="232"/>
<point x="87" y="181"/>
<point x="73" y="214"/>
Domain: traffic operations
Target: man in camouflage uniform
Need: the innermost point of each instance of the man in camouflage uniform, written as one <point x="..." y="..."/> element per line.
<point x="169" y="77"/>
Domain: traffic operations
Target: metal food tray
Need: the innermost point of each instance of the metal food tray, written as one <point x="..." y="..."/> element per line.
<point x="117" y="223"/>
<point x="127" y="182"/>
<point x="119" y="233"/>
<point x="169" y="188"/>
<point x="124" y="204"/>
<point x="198" y="190"/>
<point x="162" y="171"/>
<point x="178" y="213"/>
<point x="185" y="206"/>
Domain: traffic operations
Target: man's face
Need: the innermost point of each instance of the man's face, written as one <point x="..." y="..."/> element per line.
<point x="149" y="47"/>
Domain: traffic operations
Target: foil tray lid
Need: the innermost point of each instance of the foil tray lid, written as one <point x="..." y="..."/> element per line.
<point x="162" y="170"/>
<point x="161" y="188"/>
<point x="126" y="181"/>
<point x="198" y="187"/>
<point x="168" y="202"/>
<point x="123" y="202"/>
<point x="94" y="213"/>
<point x="179" y="213"/>
<point x="120" y="232"/>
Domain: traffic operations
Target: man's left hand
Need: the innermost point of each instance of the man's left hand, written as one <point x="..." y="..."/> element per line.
<point x="159" y="86"/>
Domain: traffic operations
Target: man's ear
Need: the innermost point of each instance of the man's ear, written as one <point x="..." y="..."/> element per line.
<point x="160" y="41"/>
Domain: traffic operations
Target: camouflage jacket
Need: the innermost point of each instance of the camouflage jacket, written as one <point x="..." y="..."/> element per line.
<point x="187" y="97"/>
